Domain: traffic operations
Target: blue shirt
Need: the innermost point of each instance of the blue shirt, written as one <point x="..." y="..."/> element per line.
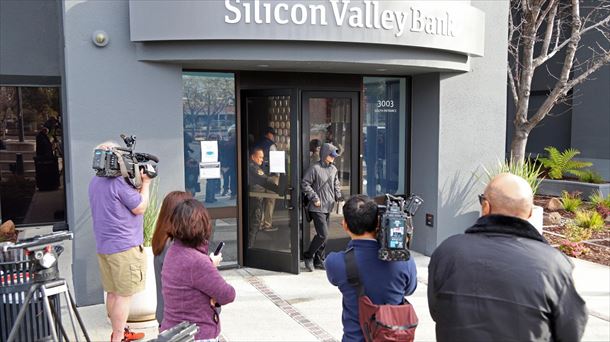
<point x="385" y="282"/>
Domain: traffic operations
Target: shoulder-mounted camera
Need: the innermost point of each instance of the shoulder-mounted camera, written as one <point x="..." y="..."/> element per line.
<point x="396" y="226"/>
<point x="123" y="161"/>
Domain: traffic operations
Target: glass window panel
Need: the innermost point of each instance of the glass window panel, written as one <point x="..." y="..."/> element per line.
<point x="31" y="155"/>
<point x="225" y="230"/>
<point x="210" y="141"/>
<point x="384" y="136"/>
<point x="268" y="215"/>
<point x="209" y="117"/>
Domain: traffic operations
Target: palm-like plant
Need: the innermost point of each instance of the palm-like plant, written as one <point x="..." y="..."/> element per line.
<point x="559" y="163"/>
<point x="151" y="213"/>
<point x="527" y="169"/>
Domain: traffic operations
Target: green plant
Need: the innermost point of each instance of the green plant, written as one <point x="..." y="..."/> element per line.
<point x="589" y="219"/>
<point x="151" y="213"/>
<point x="529" y="170"/>
<point x="598" y="199"/>
<point x="559" y="163"/>
<point x="573" y="249"/>
<point x="590" y="176"/>
<point x="577" y="233"/>
<point x="571" y="202"/>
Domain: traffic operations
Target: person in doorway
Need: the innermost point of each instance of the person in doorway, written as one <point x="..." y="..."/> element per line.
<point x="314" y="151"/>
<point x="117" y="212"/>
<point x="501" y="280"/>
<point x="161" y="240"/>
<point x="322" y="187"/>
<point x="193" y="289"/>
<point x="384" y="282"/>
<point x="259" y="184"/>
<point x="267" y="144"/>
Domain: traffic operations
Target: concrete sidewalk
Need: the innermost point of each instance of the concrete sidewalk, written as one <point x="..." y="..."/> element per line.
<point x="272" y="306"/>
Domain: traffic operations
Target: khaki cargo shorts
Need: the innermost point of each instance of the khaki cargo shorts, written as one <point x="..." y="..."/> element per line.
<point x="123" y="273"/>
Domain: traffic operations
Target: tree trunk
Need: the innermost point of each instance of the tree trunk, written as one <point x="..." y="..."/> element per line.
<point x="517" y="147"/>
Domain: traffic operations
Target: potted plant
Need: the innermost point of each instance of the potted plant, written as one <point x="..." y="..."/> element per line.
<point x="144" y="304"/>
<point x="528" y="170"/>
<point x="560" y="165"/>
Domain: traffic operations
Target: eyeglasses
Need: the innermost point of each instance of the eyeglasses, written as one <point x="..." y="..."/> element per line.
<point x="482" y="198"/>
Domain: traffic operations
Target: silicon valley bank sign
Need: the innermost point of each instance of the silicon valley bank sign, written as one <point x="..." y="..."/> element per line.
<point x="446" y="25"/>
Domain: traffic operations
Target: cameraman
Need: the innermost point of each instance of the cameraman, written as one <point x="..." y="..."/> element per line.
<point x="384" y="282"/>
<point x="117" y="212"/>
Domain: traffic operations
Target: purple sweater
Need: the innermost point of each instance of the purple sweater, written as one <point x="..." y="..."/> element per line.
<point x="189" y="281"/>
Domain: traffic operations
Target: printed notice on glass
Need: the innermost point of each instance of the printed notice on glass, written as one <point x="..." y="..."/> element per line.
<point x="209" y="170"/>
<point x="209" y="151"/>
<point x="277" y="161"/>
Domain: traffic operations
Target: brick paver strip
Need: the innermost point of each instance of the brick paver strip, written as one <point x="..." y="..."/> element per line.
<point x="291" y="311"/>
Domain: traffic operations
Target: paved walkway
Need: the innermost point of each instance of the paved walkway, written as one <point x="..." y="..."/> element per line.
<point x="273" y="306"/>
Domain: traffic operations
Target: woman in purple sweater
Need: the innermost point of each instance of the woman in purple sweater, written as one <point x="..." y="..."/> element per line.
<point x="193" y="289"/>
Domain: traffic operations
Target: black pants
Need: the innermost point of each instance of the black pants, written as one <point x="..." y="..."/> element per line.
<point x="316" y="248"/>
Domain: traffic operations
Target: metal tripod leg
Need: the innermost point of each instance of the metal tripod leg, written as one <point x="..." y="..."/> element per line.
<point x="48" y="290"/>
<point x="21" y="315"/>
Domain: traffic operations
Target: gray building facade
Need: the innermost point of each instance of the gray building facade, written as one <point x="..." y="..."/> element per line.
<point x="412" y="92"/>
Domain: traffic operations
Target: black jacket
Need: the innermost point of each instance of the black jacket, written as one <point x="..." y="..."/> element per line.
<point x="501" y="281"/>
<point x="259" y="181"/>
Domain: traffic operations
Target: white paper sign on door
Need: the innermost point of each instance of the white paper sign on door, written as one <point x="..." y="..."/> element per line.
<point x="209" y="170"/>
<point x="277" y="161"/>
<point x="209" y="151"/>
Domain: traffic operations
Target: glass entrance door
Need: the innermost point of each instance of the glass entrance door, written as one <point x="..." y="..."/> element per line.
<point x="331" y="117"/>
<point x="271" y="178"/>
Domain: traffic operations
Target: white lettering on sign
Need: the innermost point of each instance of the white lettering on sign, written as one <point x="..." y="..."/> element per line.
<point x="366" y="15"/>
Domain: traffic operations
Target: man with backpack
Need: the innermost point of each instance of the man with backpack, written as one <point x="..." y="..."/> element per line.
<point x="322" y="188"/>
<point x="383" y="282"/>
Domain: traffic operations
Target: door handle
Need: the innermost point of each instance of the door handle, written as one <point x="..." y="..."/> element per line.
<point x="288" y="205"/>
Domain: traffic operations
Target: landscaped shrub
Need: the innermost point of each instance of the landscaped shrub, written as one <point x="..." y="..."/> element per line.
<point x="590" y="176"/>
<point x="529" y="170"/>
<point x="573" y="249"/>
<point x="597" y="199"/>
<point x="571" y="202"/>
<point x="589" y="219"/>
<point x="559" y="163"/>
<point x="576" y="233"/>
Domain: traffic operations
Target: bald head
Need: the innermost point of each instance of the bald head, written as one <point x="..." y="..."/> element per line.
<point x="509" y="195"/>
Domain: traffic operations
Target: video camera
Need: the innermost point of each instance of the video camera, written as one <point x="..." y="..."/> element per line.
<point x="123" y="161"/>
<point x="396" y="226"/>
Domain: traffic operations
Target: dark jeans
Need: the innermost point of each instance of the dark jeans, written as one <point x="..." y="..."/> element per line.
<point x="316" y="248"/>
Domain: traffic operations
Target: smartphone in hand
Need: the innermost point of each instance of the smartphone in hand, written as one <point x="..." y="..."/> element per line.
<point x="219" y="248"/>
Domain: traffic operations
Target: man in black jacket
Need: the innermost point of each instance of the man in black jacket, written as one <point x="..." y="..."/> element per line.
<point x="259" y="183"/>
<point x="501" y="280"/>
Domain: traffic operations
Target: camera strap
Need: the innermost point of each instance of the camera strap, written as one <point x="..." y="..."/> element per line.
<point x="137" y="179"/>
<point x="351" y="269"/>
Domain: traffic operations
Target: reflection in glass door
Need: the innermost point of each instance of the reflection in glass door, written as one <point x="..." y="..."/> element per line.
<point x="270" y="230"/>
<point x="328" y="117"/>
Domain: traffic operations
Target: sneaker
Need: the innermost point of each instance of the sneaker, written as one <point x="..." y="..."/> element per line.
<point x="269" y="229"/>
<point x="319" y="266"/>
<point x="129" y="335"/>
<point x="309" y="265"/>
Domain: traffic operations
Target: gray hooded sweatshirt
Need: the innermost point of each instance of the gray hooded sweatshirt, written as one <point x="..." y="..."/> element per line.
<point x="321" y="183"/>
